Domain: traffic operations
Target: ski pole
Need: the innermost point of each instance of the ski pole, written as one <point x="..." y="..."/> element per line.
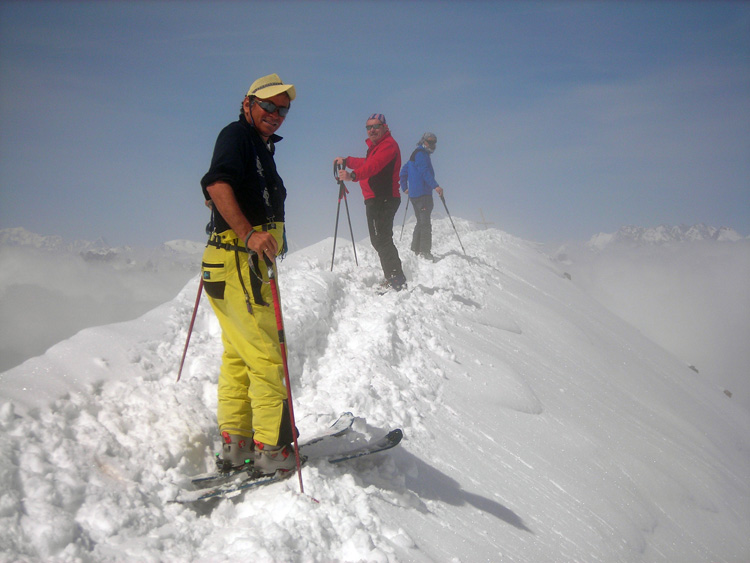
<point x="282" y="344"/>
<point x="342" y="195"/>
<point x="209" y="230"/>
<point x="190" y="330"/>
<point x="454" y="226"/>
<point x="349" y="219"/>
<point x="336" y="230"/>
<point x="404" y="223"/>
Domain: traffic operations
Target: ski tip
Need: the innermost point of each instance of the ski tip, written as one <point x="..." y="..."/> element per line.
<point x="395" y="436"/>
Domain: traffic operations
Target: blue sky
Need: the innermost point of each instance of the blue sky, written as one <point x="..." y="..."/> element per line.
<point x="555" y="120"/>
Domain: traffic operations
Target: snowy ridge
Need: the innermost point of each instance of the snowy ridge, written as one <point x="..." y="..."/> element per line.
<point x="538" y="427"/>
<point x="664" y="234"/>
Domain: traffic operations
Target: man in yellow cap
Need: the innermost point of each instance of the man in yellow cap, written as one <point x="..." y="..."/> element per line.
<point x="247" y="196"/>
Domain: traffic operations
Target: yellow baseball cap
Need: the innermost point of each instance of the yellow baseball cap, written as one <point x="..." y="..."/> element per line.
<point x="269" y="86"/>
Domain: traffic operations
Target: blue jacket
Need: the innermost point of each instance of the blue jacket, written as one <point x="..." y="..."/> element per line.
<point x="417" y="175"/>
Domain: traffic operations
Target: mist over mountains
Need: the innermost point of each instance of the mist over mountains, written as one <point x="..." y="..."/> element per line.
<point x="684" y="287"/>
<point x="50" y="288"/>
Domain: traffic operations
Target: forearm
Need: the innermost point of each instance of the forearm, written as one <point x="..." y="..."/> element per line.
<point x="262" y="242"/>
<point x="354" y="161"/>
<point x="223" y="199"/>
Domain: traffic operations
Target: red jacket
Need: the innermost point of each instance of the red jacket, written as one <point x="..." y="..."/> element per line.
<point x="378" y="172"/>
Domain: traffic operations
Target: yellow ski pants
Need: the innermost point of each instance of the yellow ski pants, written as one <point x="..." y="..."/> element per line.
<point x="251" y="390"/>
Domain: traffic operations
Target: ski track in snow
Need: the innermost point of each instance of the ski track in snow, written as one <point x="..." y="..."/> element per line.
<point x="538" y="427"/>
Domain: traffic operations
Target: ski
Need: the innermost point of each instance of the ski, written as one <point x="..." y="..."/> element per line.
<point x="231" y="488"/>
<point x="390" y="440"/>
<point x="342" y="425"/>
<point x="239" y="483"/>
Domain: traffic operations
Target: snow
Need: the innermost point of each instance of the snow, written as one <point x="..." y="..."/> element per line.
<point x="539" y="426"/>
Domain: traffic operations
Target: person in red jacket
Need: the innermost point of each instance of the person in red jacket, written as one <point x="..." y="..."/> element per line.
<point x="378" y="176"/>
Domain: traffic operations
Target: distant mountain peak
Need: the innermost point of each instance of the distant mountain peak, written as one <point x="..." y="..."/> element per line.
<point x="663" y="234"/>
<point x="181" y="255"/>
<point x="18" y="236"/>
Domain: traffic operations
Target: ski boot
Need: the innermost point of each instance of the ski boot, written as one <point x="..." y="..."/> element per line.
<point x="397" y="282"/>
<point x="270" y="459"/>
<point x="236" y="453"/>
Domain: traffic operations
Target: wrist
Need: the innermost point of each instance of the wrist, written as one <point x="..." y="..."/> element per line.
<point x="353" y="176"/>
<point x="247" y="238"/>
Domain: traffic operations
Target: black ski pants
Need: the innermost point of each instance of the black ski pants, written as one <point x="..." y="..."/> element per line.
<point x="421" y="241"/>
<point x="380" y="215"/>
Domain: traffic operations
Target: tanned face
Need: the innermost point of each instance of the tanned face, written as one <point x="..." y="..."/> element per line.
<point x="377" y="131"/>
<point x="264" y="122"/>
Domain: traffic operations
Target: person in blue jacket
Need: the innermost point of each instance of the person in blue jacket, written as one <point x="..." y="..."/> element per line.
<point x="417" y="181"/>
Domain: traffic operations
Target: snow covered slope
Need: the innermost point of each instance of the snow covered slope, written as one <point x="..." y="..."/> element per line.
<point x="538" y="427"/>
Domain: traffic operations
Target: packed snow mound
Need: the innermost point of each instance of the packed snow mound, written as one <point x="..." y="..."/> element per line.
<point x="663" y="234"/>
<point x="538" y="427"/>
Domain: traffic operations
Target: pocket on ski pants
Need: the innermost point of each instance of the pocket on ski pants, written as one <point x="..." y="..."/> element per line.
<point x="214" y="272"/>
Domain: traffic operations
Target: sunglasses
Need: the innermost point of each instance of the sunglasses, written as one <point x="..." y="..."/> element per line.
<point x="271" y="108"/>
<point x="376" y="126"/>
<point x="431" y="142"/>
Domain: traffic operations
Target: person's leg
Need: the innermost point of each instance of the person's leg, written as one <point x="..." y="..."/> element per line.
<point x="416" y="236"/>
<point x="422" y="242"/>
<point x="426" y="238"/>
<point x="251" y="387"/>
<point x="389" y="258"/>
